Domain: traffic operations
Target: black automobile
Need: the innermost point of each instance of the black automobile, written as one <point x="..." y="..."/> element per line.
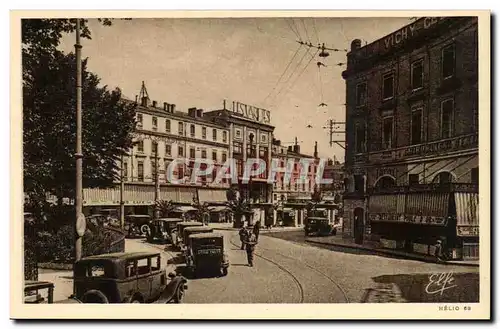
<point x="180" y="231"/>
<point x="42" y="292"/>
<point x="206" y="255"/>
<point x="319" y="226"/>
<point x="137" y="225"/>
<point x="188" y="231"/>
<point x="162" y="229"/>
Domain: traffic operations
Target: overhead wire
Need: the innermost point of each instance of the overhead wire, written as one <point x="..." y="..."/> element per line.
<point x="296" y="28"/>
<point x="305" y="29"/>
<point x="291" y="28"/>
<point x="315" y="30"/>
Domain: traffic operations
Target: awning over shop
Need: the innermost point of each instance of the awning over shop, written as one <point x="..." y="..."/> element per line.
<point x="428" y="204"/>
<point x="218" y="208"/>
<point x="210" y="195"/>
<point x="387" y="203"/>
<point x="467" y="205"/>
<point x="185" y="208"/>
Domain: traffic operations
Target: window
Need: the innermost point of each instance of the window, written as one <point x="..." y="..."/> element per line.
<point x="155" y="123"/>
<point x="154" y="148"/>
<point x="224" y="136"/>
<point x="388" y="127"/>
<point x="214" y="156"/>
<point x="448" y="61"/>
<point x="361" y="94"/>
<point x="204" y="132"/>
<point x="167" y="126"/>
<point x="192" y="153"/>
<point x="474" y="176"/>
<point x="192" y="130"/>
<point x="443" y="178"/>
<point x="446" y="118"/>
<point x="168" y="149"/>
<point x="416" y="126"/>
<point x="417" y="74"/>
<point x="181" y="129"/>
<point x="359" y="183"/>
<point x="388" y="86"/>
<point x="203" y="154"/>
<point x="155" y="264"/>
<point x="180" y="151"/>
<point x="263" y="151"/>
<point x="140" y="171"/>
<point x="224" y="157"/>
<point x="238" y="147"/>
<point x="143" y="266"/>
<point x="238" y="133"/>
<point x="181" y="171"/>
<point x="360" y="138"/>
<point x="263" y="138"/>
<point x="214" y="134"/>
<point x="139" y="120"/>
<point x="153" y="171"/>
<point x="140" y="146"/>
<point x="413" y="179"/>
<point x="125" y="171"/>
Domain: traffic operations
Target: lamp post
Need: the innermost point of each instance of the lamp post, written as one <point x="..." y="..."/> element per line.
<point x="157" y="181"/>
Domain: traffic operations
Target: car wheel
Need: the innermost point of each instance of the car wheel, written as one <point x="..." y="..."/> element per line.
<point x="179" y="294"/>
<point x="94" y="297"/>
<point x="145" y="230"/>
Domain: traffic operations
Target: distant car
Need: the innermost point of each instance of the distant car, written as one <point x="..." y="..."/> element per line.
<point x="317" y="226"/>
<point x="207" y="254"/>
<point x="163" y="229"/>
<point x="137" y="225"/>
<point x="180" y="231"/>
<point x="32" y="293"/>
<point x="127" y="277"/>
<point x="188" y="231"/>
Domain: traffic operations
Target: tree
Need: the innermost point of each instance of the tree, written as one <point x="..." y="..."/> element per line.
<point x="202" y="211"/>
<point x="165" y="207"/>
<point x="238" y="208"/>
<point x="49" y="116"/>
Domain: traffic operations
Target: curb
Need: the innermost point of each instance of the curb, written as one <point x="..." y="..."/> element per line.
<point x="388" y="252"/>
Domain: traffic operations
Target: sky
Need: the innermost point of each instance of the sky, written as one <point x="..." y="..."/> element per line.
<point x="193" y="62"/>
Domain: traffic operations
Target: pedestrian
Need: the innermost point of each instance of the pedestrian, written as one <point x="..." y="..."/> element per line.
<point x="256" y="229"/>
<point x="439" y="250"/>
<point x="243" y="234"/>
<point x="250" y="246"/>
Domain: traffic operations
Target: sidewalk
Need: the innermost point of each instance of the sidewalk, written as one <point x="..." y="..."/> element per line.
<point x="63" y="280"/>
<point x="229" y="227"/>
<point x="339" y="241"/>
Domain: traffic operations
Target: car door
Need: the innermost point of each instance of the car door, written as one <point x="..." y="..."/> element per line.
<point x="144" y="277"/>
<point x="158" y="277"/>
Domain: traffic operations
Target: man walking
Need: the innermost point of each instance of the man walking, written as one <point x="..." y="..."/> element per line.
<point x="256" y="230"/>
<point x="250" y="245"/>
<point x="243" y="237"/>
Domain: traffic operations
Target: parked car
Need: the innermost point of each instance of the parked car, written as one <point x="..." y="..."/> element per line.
<point x="137" y="225"/>
<point x="207" y="255"/>
<point x="98" y="220"/>
<point x="127" y="277"/>
<point x="317" y="226"/>
<point x="163" y="229"/>
<point x="42" y="292"/>
<point x="180" y="231"/>
<point x="190" y="231"/>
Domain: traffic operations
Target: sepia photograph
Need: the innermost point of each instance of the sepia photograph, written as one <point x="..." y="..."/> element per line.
<point x="274" y="159"/>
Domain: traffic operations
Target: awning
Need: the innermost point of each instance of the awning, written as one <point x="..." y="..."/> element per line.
<point x="467" y="205"/>
<point x="387" y="203"/>
<point x="218" y="208"/>
<point x="209" y="195"/>
<point x="428" y="204"/>
<point x="185" y="208"/>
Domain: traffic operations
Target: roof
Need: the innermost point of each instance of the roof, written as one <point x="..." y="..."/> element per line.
<point x="317" y="218"/>
<point x="122" y="255"/>
<point x="170" y="219"/>
<point x="198" y="228"/>
<point x="206" y="235"/>
<point x="191" y="224"/>
<point x="38" y="284"/>
<point x="141" y="216"/>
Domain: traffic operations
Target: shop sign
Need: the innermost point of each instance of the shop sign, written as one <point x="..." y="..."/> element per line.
<point x="409" y="31"/>
<point x="414" y="219"/>
<point x="252" y="112"/>
<point x="468" y="230"/>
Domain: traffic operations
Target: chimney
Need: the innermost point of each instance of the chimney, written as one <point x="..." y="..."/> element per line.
<point x="144" y="101"/>
<point x="136" y="97"/>
<point x="155" y="103"/>
<point x="296" y="148"/>
<point x="316" y="150"/>
<point x="199" y="113"/>
<point x="172" y="108"/>
<point x="192" y="112"/>
<point x="355" y="44"/>
<point x="290" y="148"/>
<point x="166" y="106"/>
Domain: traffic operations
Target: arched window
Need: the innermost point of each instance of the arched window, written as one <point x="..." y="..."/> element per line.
<point x="385" y="182"/>
<point x="443" y="178"/>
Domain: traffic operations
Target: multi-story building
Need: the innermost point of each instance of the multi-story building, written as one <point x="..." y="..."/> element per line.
<point x="334" y="171"/>
<point x="412" y="137"/>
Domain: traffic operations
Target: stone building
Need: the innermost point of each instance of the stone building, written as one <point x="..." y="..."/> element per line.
<point x="412" y="137"/>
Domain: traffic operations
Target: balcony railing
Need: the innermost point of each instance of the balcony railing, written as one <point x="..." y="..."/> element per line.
<point x="464" y="142"/>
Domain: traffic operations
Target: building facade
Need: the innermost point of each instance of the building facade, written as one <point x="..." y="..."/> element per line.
<point x="412" y="138"/>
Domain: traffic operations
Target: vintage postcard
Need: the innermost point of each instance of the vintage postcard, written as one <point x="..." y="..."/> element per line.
<point x="269" y="158"/>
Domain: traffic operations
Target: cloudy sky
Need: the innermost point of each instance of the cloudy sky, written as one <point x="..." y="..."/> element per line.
<point x="200" y="62"/>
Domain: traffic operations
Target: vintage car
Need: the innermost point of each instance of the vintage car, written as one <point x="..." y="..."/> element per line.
<point x="98" y="220"/>
<point x="137" y="225"/>
<point x="317" y="226"/>
<point x="207" y="255"/>
<point x="163" y="229"/>
<point x="180" y="231"/>
<point x="127" y="277"/>
<point x="193" y="230"/>
<point x="34" y="293"/>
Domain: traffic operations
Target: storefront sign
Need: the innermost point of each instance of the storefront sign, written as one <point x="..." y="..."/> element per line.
<point x="409" y="31"/>
<point x="413" y="219"/>
<point x="468" y="230"/>
<point x="252" y="112"/>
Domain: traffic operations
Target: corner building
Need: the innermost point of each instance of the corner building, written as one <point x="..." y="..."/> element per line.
<point x="412" y="169"/>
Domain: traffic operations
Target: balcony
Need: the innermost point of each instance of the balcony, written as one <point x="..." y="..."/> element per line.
<point x="459" y="143"/>
<point x="449" y="187"/>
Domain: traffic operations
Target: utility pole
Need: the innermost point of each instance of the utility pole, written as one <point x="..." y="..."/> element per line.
<point x="80" y="219"/>
<point x="122" y="203"/>
<point x="331" y="131"/>
<point x="157" y="182"/>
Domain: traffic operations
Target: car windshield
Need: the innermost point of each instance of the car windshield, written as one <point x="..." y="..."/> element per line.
<point x="95" y="269"/>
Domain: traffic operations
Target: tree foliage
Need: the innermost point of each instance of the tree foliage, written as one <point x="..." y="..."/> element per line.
<point x="49" y="115"/>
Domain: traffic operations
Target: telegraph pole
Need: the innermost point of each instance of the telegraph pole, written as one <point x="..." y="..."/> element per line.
<point x="331" y="131"/>
<point x="80" y="219"/>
